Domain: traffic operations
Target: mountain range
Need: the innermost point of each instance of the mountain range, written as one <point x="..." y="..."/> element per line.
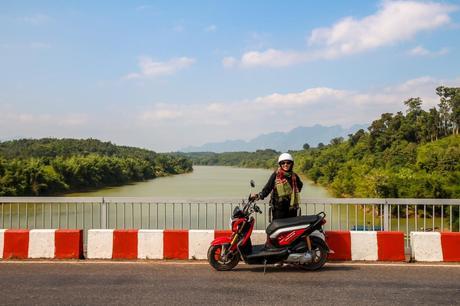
<point x="280" y="141"/>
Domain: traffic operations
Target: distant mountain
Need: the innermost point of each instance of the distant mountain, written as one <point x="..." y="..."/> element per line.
<point x="280" y="141"/>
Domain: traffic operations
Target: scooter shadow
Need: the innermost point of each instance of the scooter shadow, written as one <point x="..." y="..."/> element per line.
<point x="290" y="269"/>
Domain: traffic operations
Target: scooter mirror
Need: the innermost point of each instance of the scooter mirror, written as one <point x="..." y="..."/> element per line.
<point x="253" y="184"/>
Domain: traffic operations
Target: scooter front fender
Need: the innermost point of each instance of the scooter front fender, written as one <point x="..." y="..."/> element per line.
<point x="221" y="240"/>
<point x="321" y="236"/>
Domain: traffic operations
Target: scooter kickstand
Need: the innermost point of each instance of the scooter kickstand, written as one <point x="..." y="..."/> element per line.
<point x="265" y="265"/>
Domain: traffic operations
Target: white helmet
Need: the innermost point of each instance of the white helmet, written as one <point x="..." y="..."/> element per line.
<point x="285" y="156"/>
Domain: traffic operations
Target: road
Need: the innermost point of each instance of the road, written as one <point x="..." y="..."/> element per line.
<point x="173" y="283"/>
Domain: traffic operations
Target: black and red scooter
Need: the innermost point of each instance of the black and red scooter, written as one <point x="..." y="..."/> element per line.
<point x="298" y="241"/>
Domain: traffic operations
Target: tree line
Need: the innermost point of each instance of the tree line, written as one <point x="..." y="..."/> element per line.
<point x="415" y="155"/>
<point x="34" y="167"/>
<point x="259" y="159"/>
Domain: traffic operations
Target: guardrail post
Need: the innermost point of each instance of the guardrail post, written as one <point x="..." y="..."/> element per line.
<point x="386" y="216"/>
<point x="103" y="214"/>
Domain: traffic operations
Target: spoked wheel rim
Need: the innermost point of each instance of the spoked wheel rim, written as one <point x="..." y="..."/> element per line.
<point x="217" y="255"/>
<point x="216" y="261"/>
<point x="317" y="254"/>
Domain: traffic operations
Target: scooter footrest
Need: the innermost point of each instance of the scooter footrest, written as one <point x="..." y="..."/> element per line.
<point x="265" y="253"/>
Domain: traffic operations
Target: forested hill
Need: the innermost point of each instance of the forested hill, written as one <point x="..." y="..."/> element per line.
<point x="259" y="159"/>
<point x="415" y="154"/>
<point x="55" y="166"/>
<point x="51" y="147"/>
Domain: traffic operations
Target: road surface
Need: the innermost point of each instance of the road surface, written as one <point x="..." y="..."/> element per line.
<point x="176" y="283"/>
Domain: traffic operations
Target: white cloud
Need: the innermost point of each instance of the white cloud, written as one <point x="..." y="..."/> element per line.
<point x="36" y="19"/>
<point x="211" y="28"/>
<point x="217" y="121"/>
<point x="178" y="28"/>
<point x="150" y="68"/>
<point x="143" y="7"/>
<point x="258" y="40"/>
<point x="229" y="62"/>
<point x="161" y="114"/>
<point x="9" y="117"/>
<point x="37" y="45"/>
<point x="395" y="21"/>
<point x="165" y="127"/>
<point x="421" y="51"/>
<point x="272" y="58"/>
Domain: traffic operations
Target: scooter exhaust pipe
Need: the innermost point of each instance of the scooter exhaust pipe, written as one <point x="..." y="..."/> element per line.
<point x="300" y="258"/>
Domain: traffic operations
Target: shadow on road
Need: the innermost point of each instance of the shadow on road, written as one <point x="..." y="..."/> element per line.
<point x="272" y="269"/>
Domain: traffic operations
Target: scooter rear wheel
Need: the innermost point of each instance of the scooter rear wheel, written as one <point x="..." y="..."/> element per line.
<point x="216" y="261"/>
<point x="319" y="252"/>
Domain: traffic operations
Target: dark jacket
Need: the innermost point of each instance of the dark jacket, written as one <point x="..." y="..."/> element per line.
<point x="280" y="207"/>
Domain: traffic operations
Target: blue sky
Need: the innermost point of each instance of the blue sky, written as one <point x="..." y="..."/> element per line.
<point x="168" y="74"/>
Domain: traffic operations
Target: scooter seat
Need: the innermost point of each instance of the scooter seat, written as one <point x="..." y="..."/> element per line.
<point x="289" y="222"/>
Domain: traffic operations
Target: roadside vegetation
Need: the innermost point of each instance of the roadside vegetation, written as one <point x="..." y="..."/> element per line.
<point x="49" y="166"/>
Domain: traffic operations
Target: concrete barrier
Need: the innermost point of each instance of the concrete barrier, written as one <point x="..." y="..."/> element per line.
<point x="41" y="243"/>
<point x="435" y="246"/>
<point x="156" y="244"/>
<point x="367" y="245"/>
<point x="194" y="244"/>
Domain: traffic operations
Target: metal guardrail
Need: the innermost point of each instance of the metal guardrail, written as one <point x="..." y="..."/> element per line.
<point x="155" y="213"/>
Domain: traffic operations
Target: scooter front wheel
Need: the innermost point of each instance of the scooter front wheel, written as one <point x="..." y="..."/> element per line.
<point x="217" y="262"/>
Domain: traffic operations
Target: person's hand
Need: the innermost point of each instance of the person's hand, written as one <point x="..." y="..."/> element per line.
<point x="254" y="196"/>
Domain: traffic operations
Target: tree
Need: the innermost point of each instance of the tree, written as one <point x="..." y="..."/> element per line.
<point x="354" y="138"/>
<point x="336" y="140"/>
<point x="306" y="146"/>
<point x="433" y="124"/>
<point x="450" y="103"/>
<point x="414" y="105"/>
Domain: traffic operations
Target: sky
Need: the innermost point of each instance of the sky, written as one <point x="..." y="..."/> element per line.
<point x="164" y="75"/>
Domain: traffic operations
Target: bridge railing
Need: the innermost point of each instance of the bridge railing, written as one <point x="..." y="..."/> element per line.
<point x="154" y="213"/>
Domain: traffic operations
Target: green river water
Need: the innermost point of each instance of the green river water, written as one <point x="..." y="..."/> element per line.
<point x="203" y="182"/>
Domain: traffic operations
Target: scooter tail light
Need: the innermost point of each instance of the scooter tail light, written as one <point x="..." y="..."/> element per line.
<point x="323" y="222"/>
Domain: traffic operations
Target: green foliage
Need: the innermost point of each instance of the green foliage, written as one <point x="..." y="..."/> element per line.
<point x="53" y="166"/>
<point x="259" y="159"/>
<point x="409" y="155"/>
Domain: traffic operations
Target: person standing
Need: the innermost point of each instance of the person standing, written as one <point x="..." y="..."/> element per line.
<point x="284" y="186"/>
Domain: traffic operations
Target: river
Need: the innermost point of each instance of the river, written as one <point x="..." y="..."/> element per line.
<point x="203" y="182"/>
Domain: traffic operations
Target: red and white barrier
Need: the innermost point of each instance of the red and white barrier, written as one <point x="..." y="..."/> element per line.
<point x="41" y="243"/>
<point x="156" y="244"/>
<point x="435" y="246"/>
<point x="194" y="244"/>
<point x="368" y="245"/>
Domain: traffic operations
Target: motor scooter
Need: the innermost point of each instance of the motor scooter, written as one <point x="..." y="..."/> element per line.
<point x="298" y="241"/>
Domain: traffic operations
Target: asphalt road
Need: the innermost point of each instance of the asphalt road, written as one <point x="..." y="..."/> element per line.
<point x="146" y="283"/>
